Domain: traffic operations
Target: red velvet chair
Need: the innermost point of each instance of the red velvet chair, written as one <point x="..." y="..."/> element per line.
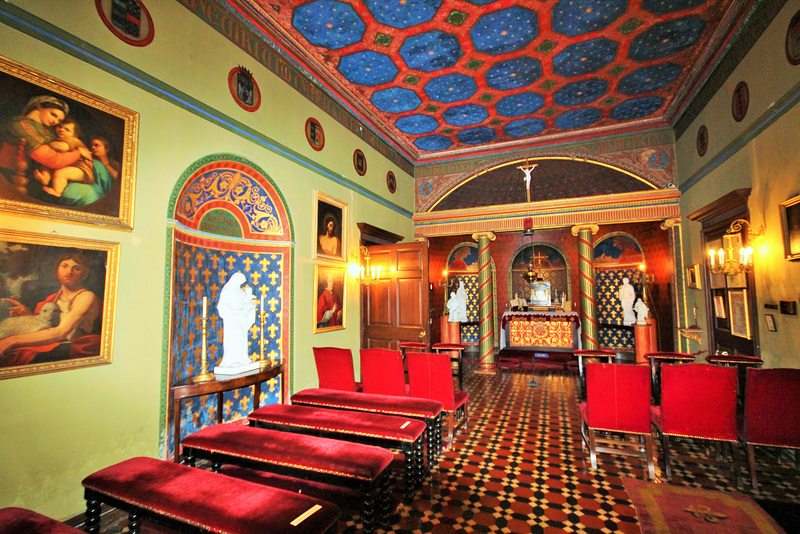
<point x="697" y="401"/>
<point x="618" y="408"/>
<point x="771" y="406"/>
<point x="431" y="377"/>
<point x="335" y="369"/>
<point x="382" y="372"/>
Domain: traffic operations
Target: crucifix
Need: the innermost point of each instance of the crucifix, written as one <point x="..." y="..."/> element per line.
<point x="528" y="169"/>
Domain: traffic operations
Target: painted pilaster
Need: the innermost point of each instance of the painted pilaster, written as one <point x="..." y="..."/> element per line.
<point x="584" y="233"/>
<point x="486" y="364"/>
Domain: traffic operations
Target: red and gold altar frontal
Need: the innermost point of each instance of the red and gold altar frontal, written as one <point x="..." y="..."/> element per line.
<point x="542" y="329"/>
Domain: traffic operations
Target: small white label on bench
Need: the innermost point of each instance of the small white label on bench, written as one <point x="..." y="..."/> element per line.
<point x="406" y="424"/>
<point x="305" y="515"/>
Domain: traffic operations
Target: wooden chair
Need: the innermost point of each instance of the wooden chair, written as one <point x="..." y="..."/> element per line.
<point x="431" y="377"/>
<point x="618" y="407"/>
<point x="335" y="369"/>
<point x="382" y="372"/>
<point x="697" y="401"/>
<point x="771" y="406"/>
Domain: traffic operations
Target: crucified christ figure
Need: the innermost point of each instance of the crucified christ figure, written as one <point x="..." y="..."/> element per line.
<point x="528" y="171"/>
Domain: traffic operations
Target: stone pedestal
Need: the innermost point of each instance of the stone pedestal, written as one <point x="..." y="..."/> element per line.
<point x="451" y="332"/>
<point x="645" y="339"/>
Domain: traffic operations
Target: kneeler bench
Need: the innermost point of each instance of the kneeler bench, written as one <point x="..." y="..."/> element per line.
<point x="181" y="497"/>
<point x="360" y="427"/>
<point x="427" y="410"/>
<point x="363" y="467"/>
<point x="21" y="521"/>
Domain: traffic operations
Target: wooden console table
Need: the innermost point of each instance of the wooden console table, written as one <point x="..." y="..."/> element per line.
<point x="185" y="389"/>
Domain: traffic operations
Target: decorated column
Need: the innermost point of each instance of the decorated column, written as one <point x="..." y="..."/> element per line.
<point x="485" y="306"/>
<point x="680" y="312"/>
<point x="584" y="232"/>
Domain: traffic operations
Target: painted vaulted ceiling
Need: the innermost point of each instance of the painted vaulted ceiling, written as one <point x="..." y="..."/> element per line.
<point x="446" y="79"/>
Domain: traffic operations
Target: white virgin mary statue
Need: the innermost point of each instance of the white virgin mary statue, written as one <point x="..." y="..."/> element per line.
<point x="237" y="308"/>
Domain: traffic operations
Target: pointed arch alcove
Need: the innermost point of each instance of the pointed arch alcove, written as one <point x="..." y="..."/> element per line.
<point x="226" y="216"/>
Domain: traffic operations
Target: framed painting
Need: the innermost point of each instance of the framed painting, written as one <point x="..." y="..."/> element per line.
<point x="719" y="307"/>
<point x="693" y="277"/>
<point x="330" y="296"/>
<point x="58" y="303"/>
<point x="330" y="221"/>
<point x="790" y="222"/>
<point x="770" y="319"/>
<point x="740" y="317"/>
<point x="64" y="152"/>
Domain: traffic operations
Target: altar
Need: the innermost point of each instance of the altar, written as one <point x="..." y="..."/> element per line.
<point x="545" y="329"/>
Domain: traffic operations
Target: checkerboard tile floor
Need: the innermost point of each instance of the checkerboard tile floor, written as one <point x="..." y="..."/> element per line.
<point x="519" y="467"/>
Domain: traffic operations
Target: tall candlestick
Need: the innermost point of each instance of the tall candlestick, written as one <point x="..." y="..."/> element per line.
<point x="205" y="307"/>
<point x="262" y="361"/>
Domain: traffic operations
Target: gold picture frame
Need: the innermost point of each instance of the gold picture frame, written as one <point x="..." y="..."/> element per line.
<point x="330" y="224"/>
<point x="740" y="315"/>
<point x="790" y="225"/>
<point x="44" y="278"/>
<point x="693" y="277"/>
<point x="330" y="295"/>
<point x="86" y="179"/>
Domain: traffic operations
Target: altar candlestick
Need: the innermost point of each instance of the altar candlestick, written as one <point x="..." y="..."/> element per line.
<point x="205" y="307"/>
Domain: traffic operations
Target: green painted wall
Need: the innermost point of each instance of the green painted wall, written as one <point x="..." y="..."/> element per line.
<point x="760" y="152"/>
<point x="60" y="427"/>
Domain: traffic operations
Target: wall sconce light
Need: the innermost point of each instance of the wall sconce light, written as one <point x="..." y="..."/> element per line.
<point x="643" y="279"/>
<point x="728" y="261"/>
<point x="362" y="271"/>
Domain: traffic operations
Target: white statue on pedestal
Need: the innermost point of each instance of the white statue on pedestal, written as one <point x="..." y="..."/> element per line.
<point x="237" y="308"/>
<point x="461" y="295"/>
<point x="626" y="296"/>
<point x="452" y="308"/>
<point x="642" y="311"/>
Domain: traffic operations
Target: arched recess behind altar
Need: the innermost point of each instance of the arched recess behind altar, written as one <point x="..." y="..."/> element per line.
<point x="551" y="264"/>
<point x="616" y="256"/>
<point x="227" y="216"/>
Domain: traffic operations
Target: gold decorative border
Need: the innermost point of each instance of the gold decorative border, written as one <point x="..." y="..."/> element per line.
<point x="340" y="280"/>
<point x="121" y="217"/>
<point x="23" y="239"/>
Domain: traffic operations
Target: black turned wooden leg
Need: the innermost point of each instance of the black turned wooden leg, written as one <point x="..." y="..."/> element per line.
<point x="134" y="523"/>
<point x="92" y="512"/>
<point x="188" y="457"/>
<point x="439" y="444"/>
<point x="419" y="463"/>
<point x="386" y="500"/>
<point x="409" y="463"/>
<point x="368" y="514"/>
<point x="430" y="436"/>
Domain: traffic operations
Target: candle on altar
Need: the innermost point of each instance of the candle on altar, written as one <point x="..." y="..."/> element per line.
<point x="262" y="303"/>
<point x="205" y="307"/>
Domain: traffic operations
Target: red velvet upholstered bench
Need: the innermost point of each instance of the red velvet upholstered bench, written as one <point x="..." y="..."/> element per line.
<point x="181" y="497"/>
<point x="363" y="467"/>
<point x="429" y="411"/>
<point x="360" y="427"/>
<point x="22" y="521"/>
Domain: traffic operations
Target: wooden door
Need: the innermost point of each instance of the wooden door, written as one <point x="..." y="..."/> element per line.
<point x="395" y="308"/>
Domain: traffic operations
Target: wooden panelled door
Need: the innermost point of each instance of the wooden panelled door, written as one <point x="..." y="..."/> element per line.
<point x="395" y="308"/>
